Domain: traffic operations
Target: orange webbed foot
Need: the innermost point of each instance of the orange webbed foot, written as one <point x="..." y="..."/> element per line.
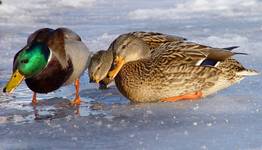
<point x="190" y="96"/>
<point x="77" y="100"/>
<point x="34" y="100"/>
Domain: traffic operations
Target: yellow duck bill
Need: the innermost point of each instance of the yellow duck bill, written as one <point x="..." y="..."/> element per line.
<point x="15" y="80"/>
<point x="94" y="79"/>
<point x="119" y="62"/>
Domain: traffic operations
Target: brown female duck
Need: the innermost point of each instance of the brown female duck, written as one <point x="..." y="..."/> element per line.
<point x="176" y="70"/>
<point x="101" y="61"/>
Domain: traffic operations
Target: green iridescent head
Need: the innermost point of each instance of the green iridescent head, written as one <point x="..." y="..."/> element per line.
<point x="32" y="60"/>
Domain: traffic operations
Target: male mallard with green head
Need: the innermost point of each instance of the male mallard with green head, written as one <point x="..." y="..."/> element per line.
<point x="50" y="59"/>
<point x="176" y="70"/>
<point x="101" y="62"/>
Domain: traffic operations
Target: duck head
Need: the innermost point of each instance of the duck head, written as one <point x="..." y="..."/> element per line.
<point x="126" y="48"/>
<point x="99" y="65"/>
<point x="28" y="62"/>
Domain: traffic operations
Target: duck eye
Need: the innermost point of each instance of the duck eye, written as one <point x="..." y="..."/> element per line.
<point x="124" y="46"/>
<point x="24" y="61"/>
<point x="99" y="68"/>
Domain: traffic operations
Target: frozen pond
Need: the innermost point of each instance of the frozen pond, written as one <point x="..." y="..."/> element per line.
<point x="231" y="119"/>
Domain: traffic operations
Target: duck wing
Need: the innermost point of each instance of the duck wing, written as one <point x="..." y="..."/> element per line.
<point x="155" y="39"/>
<point x="192" y="53"/>
<point x="40" y="35"/>
<point x="69" y="34"/>
<point x="56" y="43"/>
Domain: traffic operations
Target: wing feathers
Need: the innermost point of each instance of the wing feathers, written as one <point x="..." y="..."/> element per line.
<point x="197" y="54"/>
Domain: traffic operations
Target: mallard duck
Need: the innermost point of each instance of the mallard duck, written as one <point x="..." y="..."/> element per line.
<point x="175" y="71"/>
<point x="101" y="62"/>
<point x="50" y="59"/>
<point x="98" y="68"/>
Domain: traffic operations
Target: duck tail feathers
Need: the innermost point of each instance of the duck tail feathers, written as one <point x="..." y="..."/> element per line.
<point x="248" y="72"/>
<point x="231" y="48"/>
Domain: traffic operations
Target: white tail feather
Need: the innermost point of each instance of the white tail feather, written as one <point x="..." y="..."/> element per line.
<point x="248" y="72"/>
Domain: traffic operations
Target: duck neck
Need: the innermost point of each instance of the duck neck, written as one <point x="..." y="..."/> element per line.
<point x="109" y="56"/>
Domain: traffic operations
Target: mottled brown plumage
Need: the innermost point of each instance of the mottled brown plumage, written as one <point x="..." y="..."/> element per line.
<point x="102" y="60"/>
<point x="176" y="68"/>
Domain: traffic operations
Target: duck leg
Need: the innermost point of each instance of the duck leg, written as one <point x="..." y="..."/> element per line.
<point x="34" y="100"/>
<point x="190" y="96"/>
<point x="77" y="100"/>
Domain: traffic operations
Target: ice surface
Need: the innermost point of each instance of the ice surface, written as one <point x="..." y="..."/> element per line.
<point x="230" y="119"/>
<point x="200" y="8"/>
